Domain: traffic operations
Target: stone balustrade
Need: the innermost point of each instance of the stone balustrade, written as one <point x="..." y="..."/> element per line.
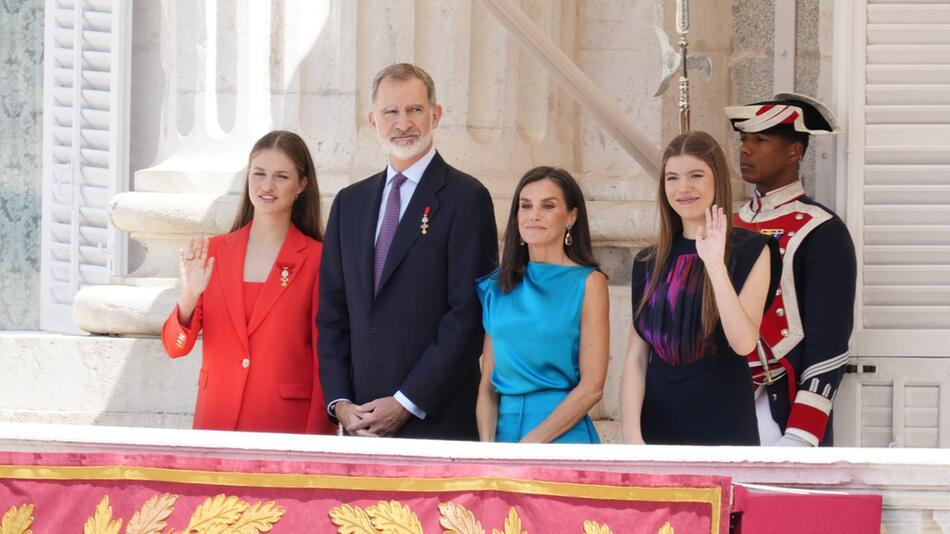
<point x="914" y="484"/>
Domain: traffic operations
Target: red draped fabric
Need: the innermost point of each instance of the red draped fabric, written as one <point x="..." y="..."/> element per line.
<point x="63" y="492"/>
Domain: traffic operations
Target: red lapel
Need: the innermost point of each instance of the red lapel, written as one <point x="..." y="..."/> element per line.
<point x="230" y="263"/>
<point x="292" y="257"/>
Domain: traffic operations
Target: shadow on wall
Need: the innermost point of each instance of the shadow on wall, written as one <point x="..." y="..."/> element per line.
<point x="53" y="378"/>
<point x="146" y="387"/>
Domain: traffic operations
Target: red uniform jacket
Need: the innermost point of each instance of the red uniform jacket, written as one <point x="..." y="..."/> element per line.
<point x="257" y="375"/>
<point x="806" y="329"/>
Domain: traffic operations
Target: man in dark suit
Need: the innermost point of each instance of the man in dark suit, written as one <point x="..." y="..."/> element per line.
<point x="399" y="322"/>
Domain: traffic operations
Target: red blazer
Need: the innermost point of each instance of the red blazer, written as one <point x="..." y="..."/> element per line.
<point x="257" y="375"/>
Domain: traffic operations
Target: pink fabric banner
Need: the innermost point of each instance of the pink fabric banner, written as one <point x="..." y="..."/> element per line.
<point x="154" y="493"/>
<point x="815" y="513"/>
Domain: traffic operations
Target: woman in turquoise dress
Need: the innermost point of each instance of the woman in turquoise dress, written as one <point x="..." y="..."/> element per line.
<point x="545" y="312"/>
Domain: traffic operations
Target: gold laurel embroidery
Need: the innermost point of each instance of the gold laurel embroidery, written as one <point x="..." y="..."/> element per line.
<point x="352" y="520"/>
<point x="215" y="512"/>
<point x="512" y="523"/>
<point x="17" y="520"/>
<point x="592" y="527"/>
<point x="458" y="520"/>
<point x="393" y="517"/>
<point x="150" y="519"/>
<point x="259" y="517"/>
<point x="666" y="529"/>
<point x="101" y="522"/>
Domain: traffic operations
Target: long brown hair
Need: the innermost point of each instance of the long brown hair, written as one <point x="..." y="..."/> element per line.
<point x="514" y="256"/>
<point x="306" y="211"/>
<point x="702" y="146"/>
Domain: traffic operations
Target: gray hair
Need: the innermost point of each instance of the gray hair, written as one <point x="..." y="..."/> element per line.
<point x="404" y="72"/>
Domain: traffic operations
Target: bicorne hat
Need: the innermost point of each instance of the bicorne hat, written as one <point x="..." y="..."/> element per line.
<point x="785" y="112"/>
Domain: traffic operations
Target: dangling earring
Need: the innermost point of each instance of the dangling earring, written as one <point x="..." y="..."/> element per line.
<point x="568" y="240"/>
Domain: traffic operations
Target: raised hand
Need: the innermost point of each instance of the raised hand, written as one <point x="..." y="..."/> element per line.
<point x="711" y="238"/>
<point x="194" y="268"/>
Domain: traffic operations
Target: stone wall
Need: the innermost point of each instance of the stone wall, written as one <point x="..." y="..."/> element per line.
<point x="751" y="72"/>
<point x="21" y="113"/>
<point x="129" y="381"/>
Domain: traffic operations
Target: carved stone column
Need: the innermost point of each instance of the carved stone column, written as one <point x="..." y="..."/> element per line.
<point x="216" y="70"/>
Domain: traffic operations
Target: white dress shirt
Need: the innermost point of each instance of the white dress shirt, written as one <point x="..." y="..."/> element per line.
<point x="413" y="174"/>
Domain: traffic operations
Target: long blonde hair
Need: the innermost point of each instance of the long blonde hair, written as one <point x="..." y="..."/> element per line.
<point x="702" y="146"/>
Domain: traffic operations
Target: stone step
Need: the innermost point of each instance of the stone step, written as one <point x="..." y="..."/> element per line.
<point x="128" y="381"/>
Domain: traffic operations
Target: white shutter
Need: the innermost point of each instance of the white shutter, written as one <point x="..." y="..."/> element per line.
<point x="901" y="402"/>
<point x="85" y="148"/>
<point x="903" y="212"/>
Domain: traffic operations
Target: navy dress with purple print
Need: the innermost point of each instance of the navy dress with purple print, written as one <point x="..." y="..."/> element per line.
<point x="698" y="390"/>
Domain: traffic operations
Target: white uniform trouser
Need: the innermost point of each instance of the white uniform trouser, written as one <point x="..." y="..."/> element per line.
<point x="769" y="431"/>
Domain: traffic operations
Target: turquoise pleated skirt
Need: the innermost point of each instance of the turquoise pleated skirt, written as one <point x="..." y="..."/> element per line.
<point x="520" y="414"/>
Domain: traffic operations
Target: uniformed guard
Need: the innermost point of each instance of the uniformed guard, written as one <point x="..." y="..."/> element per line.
<point x="804" y="344"/>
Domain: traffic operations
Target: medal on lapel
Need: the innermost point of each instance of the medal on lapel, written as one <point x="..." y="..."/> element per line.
<point x="284" y="275"/>
<point x="424" y="227"/>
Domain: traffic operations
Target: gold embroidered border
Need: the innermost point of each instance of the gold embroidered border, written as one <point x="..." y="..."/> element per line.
<point x="709" y="496"/>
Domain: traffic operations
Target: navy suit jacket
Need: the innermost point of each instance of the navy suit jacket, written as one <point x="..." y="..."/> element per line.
<point x="422" y="333"/>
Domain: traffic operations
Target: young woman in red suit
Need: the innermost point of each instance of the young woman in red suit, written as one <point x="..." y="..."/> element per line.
<point x="253" y="292"/>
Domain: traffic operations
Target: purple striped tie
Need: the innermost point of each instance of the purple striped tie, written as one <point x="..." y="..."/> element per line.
<point x="388" y="229"/>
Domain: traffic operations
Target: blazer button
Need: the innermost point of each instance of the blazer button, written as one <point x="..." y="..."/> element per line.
<point x="372" y="330"/>
<point x="245" y="363"/>
<point x="799" y="216"/>
<point x="784" y="332"/>
<point x="778" y="292"/>
<point x="780" y="312"/>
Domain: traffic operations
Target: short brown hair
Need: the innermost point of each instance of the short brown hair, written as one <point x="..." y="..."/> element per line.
<point x="404" y="72"/>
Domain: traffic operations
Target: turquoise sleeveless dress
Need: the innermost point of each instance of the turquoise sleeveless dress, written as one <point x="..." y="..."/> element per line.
<point x="535" y="333"/>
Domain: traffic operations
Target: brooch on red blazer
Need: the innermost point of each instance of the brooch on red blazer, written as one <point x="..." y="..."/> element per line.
<point x="285" y="274"/>
<point x="425" y="221"/>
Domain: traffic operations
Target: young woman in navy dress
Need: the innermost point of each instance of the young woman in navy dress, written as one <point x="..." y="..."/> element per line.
<point x="698" y="296"/>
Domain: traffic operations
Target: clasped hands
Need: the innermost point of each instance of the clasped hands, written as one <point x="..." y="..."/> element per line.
<point x="381" y="417"/>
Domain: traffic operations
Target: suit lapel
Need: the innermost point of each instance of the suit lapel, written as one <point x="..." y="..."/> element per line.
<point x="230" y="261"/>
<point x="433" y="179"/>
<point x="291" y="257"/>
<point x="365" y="234"/>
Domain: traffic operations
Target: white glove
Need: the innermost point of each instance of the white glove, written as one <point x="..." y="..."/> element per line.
<point x="788" y="440"/>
